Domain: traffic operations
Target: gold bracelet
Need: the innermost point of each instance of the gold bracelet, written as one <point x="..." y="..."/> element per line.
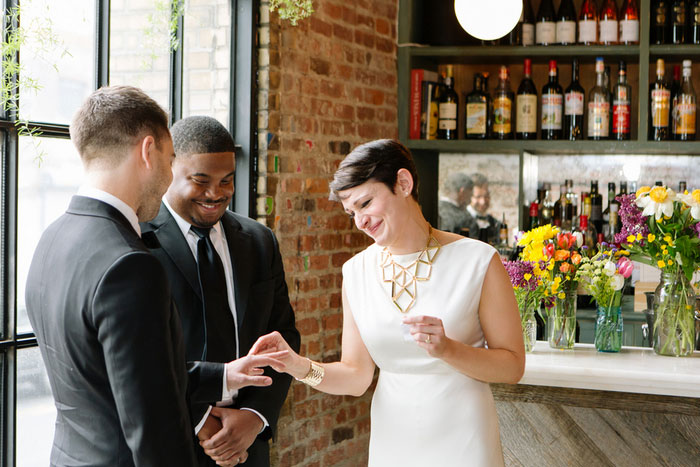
<point x="315" y="374"/>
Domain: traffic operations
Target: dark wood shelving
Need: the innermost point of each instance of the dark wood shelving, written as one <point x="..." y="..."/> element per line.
<point x="500" y="54"/>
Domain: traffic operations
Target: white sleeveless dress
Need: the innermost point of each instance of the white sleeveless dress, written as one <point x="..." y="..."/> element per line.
<point x="424" y="413"/>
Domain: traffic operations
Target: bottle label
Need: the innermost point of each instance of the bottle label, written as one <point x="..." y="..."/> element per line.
<point x="598" y="119"/>
<point x="552" y="111"/>
<point x="660" y="106"/>
<point x="608" y="31"/>
<point x="629" y="30"/>
<point x="659" y="17"/>
<point x="526" y="113"/>
<point x="566" y="32"/>
<point x="545" y="33"/>
<point x="684" y="113"/>
<point x="587" y="31"/>
<point x="447" y="119"/>
<point x="476" y="119"/>
<point x="528" y="34"/>
<point x="573" y="103"/>
<point x="432" y="121"/>
<point x="502" y="107"/>
<point x="621" y="113"/>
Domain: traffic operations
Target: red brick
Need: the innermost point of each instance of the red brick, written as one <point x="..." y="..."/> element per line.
<point x="344" y="111"/>
<point x="333" y="322"/>
<point x="365" y="113"/>
<point x="342" y="33"/>
<point x="319" y="262"/>
<point x="374" y="96"/>
<point x="363" y="38"/>
<point x="317" y="185"/>
<point x="332" y="10"/>
<point x="320" y="66"/>
<point x="382" y="26"/>
<point x="308" y="326"/>
<point x="364" y="20"/>
<point x="332" y="90"/>
<point x="349" y="15"/>
<point x="320" y="26"/>
<point x="385" y="45"/>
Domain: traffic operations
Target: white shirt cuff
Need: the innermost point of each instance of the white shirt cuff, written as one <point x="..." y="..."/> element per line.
<point x="201" y="422"/>
<point x="264" y="420"/>
<point x="227" y="395"/>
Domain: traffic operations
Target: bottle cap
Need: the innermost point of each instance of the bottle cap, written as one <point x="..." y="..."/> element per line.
<point x="599" y="65"/>
<point x="552" y="67"/>
<point x="687" y="63"/>
<point x="660" y="66"/>
<point x="503" y="73"/>
<point x="527" y="65"/>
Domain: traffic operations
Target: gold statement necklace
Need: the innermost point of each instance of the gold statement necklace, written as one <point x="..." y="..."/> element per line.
<point x="404" y="279"/>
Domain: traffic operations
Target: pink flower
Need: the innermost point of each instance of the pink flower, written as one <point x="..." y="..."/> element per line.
<point x="625" y="267"/>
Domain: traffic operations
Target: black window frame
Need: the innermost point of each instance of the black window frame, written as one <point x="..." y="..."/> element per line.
<point x="244" y="16"/>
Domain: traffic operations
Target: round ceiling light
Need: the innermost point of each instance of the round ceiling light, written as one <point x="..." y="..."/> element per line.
<point x="488" y="19"/>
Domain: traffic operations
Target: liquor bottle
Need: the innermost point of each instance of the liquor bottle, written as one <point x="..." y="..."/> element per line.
<point x="503" y="107"/>
<point x="622" y="106"/>
<point x="623" y="188"/>
<point x="573" y="106"/>
<point x="610" y="201"/>
<point x="546" y="206"/>
<point x="552" y="105"/>
<point x="682" y="186"/>
<point x="514" y="37"/>
<point x="684" y="107"/>
<point x="659" y="102"/>
<point x="599" y="105"/>
<point x="570" y="210"/>
<point x="476" y="106"/>
<point x="613" y="223"/>
<point x="659" y="183"/>
<point x="596" y="206"/>
<point x="678" y="22"/>
<point x="447" y="109"/>
<point x="588" y="23"/>
<point x="528" y="25"/>
<point x="694" y="23"/>
<point x="559" y="213"/>
<point x="589" y="234"/>
<point x="675" y="89"/>
<point x="660" y="16"/>
<point x="545" y="25"/>
<point x="526" y="106"/>
<point x="607" y="23"/>
<point x="566" y="23"/>
<point x="629" y="22"/>
<point x="489" y="104"/>
<point x="534" y="221"/>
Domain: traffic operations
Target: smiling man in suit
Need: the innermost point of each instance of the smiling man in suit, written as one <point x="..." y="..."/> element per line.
<point x="226" y="274"/>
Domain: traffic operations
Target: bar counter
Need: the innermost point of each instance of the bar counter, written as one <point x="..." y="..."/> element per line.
<point x="581" y="408"/>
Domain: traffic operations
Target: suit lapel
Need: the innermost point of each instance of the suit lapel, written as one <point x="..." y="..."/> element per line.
<point x="240" y="248"/>
<point x="174" y="244"/>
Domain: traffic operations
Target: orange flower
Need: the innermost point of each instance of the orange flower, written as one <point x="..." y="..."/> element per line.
<point x="565" y="267"/>
<point x="576" y="258"/>
<point x="561" y="255"/>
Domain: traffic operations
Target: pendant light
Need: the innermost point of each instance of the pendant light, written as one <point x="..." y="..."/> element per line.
<point x="488" y="19"/>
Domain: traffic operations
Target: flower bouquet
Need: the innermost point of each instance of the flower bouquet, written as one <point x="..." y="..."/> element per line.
<point x="530" y="288"/>
<point x="603" y="276"/>
<point x="559" y="251"/>
<point x="661" y="228"/>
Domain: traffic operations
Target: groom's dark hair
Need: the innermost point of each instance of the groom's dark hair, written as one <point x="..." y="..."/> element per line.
<point x="200" y="134"/>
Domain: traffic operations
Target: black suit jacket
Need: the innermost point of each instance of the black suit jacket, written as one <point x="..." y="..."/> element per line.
<point x="262" y="301"/>
<point x="111" y="340"/>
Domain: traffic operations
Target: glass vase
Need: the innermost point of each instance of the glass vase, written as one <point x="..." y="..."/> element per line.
<point x="674" y="319"/>
<point x="561" y="322"/>
<point x="608" y="329"/>
<point x="529" y="325"/>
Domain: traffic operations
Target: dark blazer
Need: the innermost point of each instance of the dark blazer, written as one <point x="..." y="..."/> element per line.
<point x="111" y="340"/>
<point x="262" y="304"/>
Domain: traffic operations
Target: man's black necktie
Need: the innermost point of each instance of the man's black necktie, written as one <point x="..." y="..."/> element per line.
<point x="220" y="328"/>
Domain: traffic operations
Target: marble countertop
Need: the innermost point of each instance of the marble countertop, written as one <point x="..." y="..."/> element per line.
<point x="633" y="369"/>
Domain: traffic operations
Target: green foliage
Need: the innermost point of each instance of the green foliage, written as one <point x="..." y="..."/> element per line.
<point x="292" y="10"/>
<point x="163" y="23"/>
<point x="15" y="81"/>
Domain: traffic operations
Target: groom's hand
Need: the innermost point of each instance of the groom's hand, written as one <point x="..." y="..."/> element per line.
<point x="212" y="425"/>
<point x="239" y="430"/>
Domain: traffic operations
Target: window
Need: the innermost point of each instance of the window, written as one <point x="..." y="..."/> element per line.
<point x="41" y="173"/>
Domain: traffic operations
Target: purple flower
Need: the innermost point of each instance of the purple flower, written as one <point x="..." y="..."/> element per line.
<point x="697" y="229"/>
<point x="633" y="221"/>
<point x="517" y="270"/>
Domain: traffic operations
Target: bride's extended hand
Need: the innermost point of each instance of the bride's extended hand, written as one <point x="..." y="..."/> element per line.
<point x="248" y="370"/>
<point x="429" y="333"/>
<point x="291" y="363"/>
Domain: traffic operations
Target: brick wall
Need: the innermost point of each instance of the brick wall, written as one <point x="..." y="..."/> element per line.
<point x="325" y="86"/>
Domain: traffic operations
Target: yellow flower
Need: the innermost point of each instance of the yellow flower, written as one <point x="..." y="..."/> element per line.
<point x="631" y="239"/>
<point x="669" y="262"/>
<point x="642" y="191"/>
<point x="692" y="200"/>
<point x="561" y="295"/>
<point x="659" y="202"/>
<point x="651" y="237"/>
<point x="639" y="236"/>
<point x="527" y="276"/>
<point x="661" y="263"/>
<point x="623" y="252"/>
<point x="668" y="239"/>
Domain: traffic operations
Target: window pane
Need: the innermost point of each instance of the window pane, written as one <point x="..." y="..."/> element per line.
<point x="207" y="59"/>
<point x="44" y="191"/>
<point x="2" y="214"/>
<point x="36" y="412"/>
<point x="139" y="46"/>
<point x="63" y="88"/>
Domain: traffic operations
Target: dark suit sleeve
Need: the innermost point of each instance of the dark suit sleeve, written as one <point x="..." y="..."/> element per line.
<point x="142" y="343"/>
<point x="204" y="385"/>
<point x="268" y="401"/>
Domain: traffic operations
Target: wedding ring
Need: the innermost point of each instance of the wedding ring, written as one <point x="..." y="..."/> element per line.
<point x="427" y="341"/>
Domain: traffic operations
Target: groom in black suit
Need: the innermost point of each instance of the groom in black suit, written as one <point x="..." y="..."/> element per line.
<point x="226" y="274"/>
<point x="101" y="308"/>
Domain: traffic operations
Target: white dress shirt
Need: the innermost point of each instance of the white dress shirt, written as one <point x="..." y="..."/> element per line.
<point x="128" y="212"/>
<point x="218" y="239"/>
<point x="482" y="223"/>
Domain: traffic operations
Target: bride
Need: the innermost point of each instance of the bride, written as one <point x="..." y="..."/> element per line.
<point x="433" y="310"/>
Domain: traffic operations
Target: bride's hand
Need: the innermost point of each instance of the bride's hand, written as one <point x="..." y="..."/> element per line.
<point x="291" y="363"/>
<point x="429" y="333"/>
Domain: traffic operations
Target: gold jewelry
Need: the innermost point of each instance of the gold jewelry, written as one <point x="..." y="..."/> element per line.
<point x="427" y="340"/>
<point x="315" y="374"/>
<point x="404" y="280"/>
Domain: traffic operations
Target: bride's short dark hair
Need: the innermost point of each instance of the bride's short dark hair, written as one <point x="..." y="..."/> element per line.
<point x="378" y="160"/>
